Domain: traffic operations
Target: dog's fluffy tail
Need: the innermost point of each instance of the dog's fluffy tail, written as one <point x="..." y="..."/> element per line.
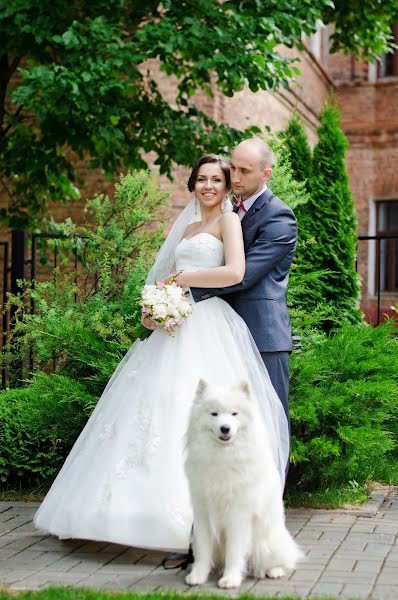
<point x="277" y="550"/>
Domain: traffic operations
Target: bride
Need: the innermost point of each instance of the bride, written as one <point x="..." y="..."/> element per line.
<point x="124" y="480"/>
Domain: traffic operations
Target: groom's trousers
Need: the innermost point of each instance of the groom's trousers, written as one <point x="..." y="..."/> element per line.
<point x="277" y="364"/>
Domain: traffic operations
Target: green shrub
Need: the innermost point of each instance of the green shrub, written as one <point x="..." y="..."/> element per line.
<point x="38" y="426"/>
<point x="343" y="402"/>
<point x="85" y="326"/>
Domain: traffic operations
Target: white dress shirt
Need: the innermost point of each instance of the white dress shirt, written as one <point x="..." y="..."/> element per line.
<point x="250" y="201"/>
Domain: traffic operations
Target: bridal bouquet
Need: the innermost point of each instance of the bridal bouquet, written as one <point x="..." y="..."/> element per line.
<point x="166" y="304"/>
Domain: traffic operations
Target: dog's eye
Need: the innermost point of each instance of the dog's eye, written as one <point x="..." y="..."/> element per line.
<point x="234" y="414"/>
<point x="214" y="414"/>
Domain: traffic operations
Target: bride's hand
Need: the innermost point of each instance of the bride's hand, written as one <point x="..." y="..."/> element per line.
<point x="148" y="323"/>
<point x="177" y="278"/>
<point x="169" y="278"/>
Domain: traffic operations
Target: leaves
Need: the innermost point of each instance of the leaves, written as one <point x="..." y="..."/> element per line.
<point x="38" y="426"/>
<point x="85" y="321"/>
<point x="84" y="88"/>
<point x="327" y="224"/>
<point x="344" y="407"/>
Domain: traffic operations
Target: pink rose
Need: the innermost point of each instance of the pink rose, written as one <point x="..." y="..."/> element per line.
<point x="169" y="323"/>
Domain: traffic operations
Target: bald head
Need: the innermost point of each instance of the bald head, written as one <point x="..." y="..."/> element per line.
<point x="251" y="166"/>
<point x="257" y="149"/>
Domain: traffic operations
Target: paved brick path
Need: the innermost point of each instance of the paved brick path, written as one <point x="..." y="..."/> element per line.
<point x="350" y="554"/>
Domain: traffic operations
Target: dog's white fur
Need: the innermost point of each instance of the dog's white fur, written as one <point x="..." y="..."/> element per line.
<point x="235" y="489"/>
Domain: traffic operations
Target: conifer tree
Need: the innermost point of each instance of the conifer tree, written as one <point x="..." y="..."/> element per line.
<point x="295" y="145"/>
<point x="295" y="142"/>
<point x="309" y="295"/>
<point x="334" y="217"/>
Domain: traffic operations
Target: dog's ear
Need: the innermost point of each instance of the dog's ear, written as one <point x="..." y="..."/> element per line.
<point x="244" y="387"/>
<point x="202" y="387"/>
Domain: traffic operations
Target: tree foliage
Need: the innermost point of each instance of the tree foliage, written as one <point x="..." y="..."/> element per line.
<point x="85" y="321"/>
<point x="294" y="142"/>
<point x="308" y="310"/>
<point x="332" y="212"/>
<point x="327" y="221"/>
<point x="74" y="79"/>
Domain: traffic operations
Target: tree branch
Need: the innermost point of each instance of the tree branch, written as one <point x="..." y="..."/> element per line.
<point x="7" y="69"/>
<point x="4" y="132"/>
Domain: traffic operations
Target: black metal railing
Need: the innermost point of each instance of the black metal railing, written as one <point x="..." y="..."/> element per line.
<point x="378" y="239"/>
<point x="21" y="263"/>
<point x="5" y="246"/>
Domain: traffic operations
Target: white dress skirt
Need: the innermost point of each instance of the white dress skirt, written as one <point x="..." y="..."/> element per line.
<point x="124" y="480"/>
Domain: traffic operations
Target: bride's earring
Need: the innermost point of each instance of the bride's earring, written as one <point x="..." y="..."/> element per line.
<point x="226" y="205"/>
<point x="196" y="205"/>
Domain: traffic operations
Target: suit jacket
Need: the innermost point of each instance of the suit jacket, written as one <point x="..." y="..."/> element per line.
<point x="270" y="237"/>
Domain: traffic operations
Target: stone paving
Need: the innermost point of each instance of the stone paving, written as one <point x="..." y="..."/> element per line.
<point x="349" y="554"/>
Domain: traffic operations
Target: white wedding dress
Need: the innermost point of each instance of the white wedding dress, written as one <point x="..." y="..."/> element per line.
<point x="124" y="479"/>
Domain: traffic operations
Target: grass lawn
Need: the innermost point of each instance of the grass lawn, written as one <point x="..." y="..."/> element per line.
<point x="329" y="498"/>
<point x="81" y="594"/>
<point x="350" y="495"/>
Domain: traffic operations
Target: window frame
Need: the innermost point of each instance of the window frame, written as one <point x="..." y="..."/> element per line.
<point x="391" y="252"/>
<point x="394" y="57"/>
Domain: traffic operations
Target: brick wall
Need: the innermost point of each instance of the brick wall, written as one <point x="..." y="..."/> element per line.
<point x="370" y="121"/>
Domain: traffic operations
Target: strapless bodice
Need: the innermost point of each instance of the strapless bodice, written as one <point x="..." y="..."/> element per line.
<point x="201" y="251"/>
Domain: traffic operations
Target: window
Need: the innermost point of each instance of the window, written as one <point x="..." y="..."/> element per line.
<point x="388" y="67"/>
<point x="387" y="224"/>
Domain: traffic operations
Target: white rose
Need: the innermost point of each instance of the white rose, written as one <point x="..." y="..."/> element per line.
<point x="174" y="292"/>
<point x="160" y="311"/>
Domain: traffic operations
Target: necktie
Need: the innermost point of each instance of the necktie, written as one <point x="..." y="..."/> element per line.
<point x="239" y="203"/>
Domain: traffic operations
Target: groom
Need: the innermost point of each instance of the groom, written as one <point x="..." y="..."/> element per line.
<point x="270" y="237"/>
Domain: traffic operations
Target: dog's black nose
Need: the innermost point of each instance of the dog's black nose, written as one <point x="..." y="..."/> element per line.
<point x="225" y="429"/>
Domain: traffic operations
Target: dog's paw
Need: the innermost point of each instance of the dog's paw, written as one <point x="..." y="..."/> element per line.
<point x="275" y="573"/>
<point x="195" y="578"/>
<point x="230" y="581"/>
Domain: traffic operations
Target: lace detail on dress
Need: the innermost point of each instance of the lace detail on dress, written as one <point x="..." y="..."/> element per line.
<point x="202" y="251"/>
<point x="104" y="499"/>
<point x="201" y="245"/>
<point x="141" y="447"/>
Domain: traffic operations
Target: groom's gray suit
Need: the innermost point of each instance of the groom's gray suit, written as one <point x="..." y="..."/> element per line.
<point x="270" y="236"/>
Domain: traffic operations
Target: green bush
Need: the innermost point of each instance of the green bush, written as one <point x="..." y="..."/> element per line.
<point x="343" y="402"/>
<point x="85" y="326"/>
<point x="81" y="328"/>
<point x="38" y="426"/>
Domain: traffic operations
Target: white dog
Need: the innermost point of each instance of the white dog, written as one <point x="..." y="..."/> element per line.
<point x="235" y="489"/>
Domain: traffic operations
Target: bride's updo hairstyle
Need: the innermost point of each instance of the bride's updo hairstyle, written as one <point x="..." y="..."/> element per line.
<point x="210" y="158"/>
